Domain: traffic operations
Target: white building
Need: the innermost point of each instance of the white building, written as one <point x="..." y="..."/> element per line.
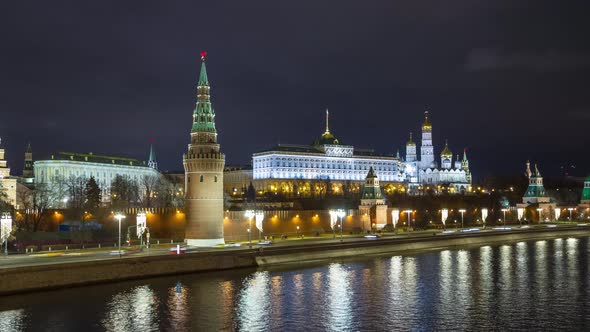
<point x="7" y="183"/>
<point x="426" y="171"/>
<point x="104" y="169"/>
<point x="325" y="159"/>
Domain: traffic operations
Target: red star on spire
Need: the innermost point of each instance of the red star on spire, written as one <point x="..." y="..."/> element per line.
<point x="203" y="55"/>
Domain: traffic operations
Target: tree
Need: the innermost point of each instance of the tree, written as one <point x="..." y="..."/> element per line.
<point x="93" y="195"/>
<point x="36" y="202"/>
<point x="124" y="192"/>
<point x="77" y="201"/>
<point x="150" y="185"/>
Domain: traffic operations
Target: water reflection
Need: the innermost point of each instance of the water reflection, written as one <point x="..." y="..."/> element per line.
<point x="253" y="305"/>
<point x="12" y="320"/>
<point x="536" y="285"/>
<point x="131" y="311"/>
<point x="339" y="309"/>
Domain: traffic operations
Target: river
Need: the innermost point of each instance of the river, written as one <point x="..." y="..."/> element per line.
<point x="534" y="285"/>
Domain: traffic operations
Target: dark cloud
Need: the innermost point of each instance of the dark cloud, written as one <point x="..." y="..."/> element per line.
<point x="498" y="76"/>
<point x="547" y="61"/>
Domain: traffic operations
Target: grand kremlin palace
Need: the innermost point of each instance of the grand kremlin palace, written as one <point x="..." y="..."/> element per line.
<point x="307" y="170"/>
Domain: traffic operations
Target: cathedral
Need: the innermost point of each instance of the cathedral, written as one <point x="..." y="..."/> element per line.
<point x="327" y="165"/>
<point x="426" y="172"/>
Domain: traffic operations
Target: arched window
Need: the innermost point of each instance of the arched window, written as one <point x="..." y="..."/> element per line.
<point x="201" y="179"/>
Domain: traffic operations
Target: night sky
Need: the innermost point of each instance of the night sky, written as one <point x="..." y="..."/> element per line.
<point x="506" y="79"/>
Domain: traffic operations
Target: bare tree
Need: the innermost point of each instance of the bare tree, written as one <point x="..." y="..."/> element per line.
<point x="36" y="203"/>
<point x="124" y="192"/>
<point x="150" y="186"/>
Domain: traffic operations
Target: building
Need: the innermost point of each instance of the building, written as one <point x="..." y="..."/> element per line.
<point x="104" y="169"/>
<point x="426" y="173"/>
<point x="308" y="169"/>
<point x="203" y="167"/>
<point x="28" y="168"/>
<point x="373" y="208"/>
<point x="7" y="183"/>
<point x="585" y="199"/>
<point x="536" y="195"/>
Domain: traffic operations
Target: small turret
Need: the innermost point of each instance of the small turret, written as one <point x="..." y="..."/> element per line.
<point x="410" y="150"/>
<point x="446" y="157"/>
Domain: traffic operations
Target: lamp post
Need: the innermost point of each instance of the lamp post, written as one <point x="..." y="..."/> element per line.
<point x="119" y="216"/>
<point x="394" y="219"/>
<point x="462" y="211"/>
<point x="484" y="216"/>
<point x="409" y="214"/>
<point x="539" y="210"/>
<point x="249" y="214"/>
<point x="504" y="211"/>
<point x="570" y="210"/>
<point x="333" y="221"/>
<point x="297" y="230"/>
<point x="141" y="220"/>
<point x="5" y="230"/>
<point x="340" y="213"/>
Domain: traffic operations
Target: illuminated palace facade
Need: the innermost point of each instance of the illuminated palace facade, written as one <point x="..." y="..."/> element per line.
<point x="304" y="170"/>
<point x="308" y="169"/>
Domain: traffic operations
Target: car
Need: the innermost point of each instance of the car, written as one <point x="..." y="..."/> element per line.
<point x="231" y="245"/>
<point x="265" y="243"/>
<point x="117" y="252"/>
<point x="372" y="236"/>
<point x="178" y="250"/>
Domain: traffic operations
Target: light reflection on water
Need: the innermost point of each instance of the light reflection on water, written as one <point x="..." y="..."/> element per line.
<point x="527" y="285"/>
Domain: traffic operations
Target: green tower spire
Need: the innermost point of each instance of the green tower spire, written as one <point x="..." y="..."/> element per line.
<point x="203" y="115"/>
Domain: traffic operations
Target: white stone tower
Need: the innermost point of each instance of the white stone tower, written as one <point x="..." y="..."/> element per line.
<point x="203" y="169"/>
<point x="411" y="149"/>
<point x="426" y="150"/>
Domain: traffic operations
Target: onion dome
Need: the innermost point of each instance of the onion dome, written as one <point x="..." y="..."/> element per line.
<point x="446" y="152"/>
<point x="426" y="126"/>
<point x="410" y="141"/>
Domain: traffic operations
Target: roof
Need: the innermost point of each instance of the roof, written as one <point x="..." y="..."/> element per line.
<point x="317" y="149"/>
<point x="95" y="158"/>
<point x="446" y="151"/>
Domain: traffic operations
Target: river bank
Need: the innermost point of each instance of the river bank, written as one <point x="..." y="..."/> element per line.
<point x="62" y="275"/>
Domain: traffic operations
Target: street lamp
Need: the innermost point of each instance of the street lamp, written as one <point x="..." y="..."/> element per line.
<point x="484" y="216"/>
<point x="504" y="211"/>
<point x="340" y="213"/>
<point x="409" y="214"/>
<point x="5" y="230"/>
<point x="141" y="222"/>
<point x="539" y="210"/>
<point x="119" y="216"/>
<point x="297" y="230"/>
<point x="394" y="219"/>
<point x="333" y="221"/>
<point x="462" y="211"/>
<point x="570" y="210"/>
<point x="249" y="214"/>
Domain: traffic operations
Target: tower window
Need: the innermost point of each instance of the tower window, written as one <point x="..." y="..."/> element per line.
<point x="201" y="179"/>
<point x="215" y="178"/>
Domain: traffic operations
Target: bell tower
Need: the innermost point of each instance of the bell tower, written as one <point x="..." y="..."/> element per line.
<point x="203" y="170"/>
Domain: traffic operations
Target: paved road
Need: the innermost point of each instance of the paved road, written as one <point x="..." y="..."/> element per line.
<point x="72" y="256"/>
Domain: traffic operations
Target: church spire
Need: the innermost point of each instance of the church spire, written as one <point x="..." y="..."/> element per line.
<point x="327" y="122"/>
<point x="203" y="115"/>
<point x="152" y="163"/>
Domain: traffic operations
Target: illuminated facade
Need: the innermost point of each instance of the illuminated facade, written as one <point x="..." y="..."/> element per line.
<point x="203" y="168"/>
<point x="7" y="183"/>
<point x="425" y="172"/>
<point x="326" y="159"/>
<point x="104" y="169"/>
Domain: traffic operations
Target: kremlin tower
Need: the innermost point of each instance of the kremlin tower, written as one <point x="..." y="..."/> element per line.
<point x="203" y="168"/>
<point x="427" y="150"/>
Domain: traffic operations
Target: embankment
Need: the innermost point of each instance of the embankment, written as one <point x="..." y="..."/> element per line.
<point x="60" y="275"/>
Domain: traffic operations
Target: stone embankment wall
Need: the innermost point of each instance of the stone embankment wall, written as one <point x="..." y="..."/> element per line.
<point x="50" y="276"/>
